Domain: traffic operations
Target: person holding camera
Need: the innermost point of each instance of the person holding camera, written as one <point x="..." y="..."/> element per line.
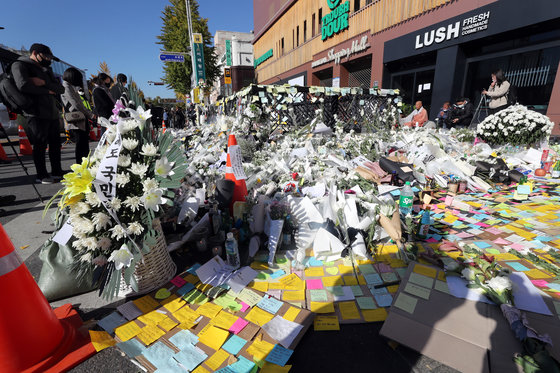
<point x="497" y="92"/>
<point x="461" y="115"/>
<point x="76" y="115"/>
<point x="34" y="77"/>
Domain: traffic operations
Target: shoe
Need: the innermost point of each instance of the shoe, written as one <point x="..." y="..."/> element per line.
<point x="6" y="200"/>
<point x="46" y="180"/>
<point x="59" y="176"/>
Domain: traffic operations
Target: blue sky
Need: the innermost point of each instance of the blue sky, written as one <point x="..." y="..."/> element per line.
<point x="120" y="32"/>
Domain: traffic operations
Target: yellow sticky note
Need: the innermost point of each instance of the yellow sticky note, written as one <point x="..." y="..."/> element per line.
<point x="273" y="368"/>
<point x="259" y="349"/>
<point x="224" y="320"/>
<point x="217" y="359"/>
<point x="152" y="318"/>
<point x="345" y="270"/>
<point x="173" y="303"/>
<point x="536" y="274"/>
<point x="348" y="310"/>
<point x="322" y="307"/>
<point x="185" y="315"/>
<point x="259" y="266"/>
<point x="275" y="285"/>
<point x="292" y="282"/>
<point x="450" y="219"/>
<point x="259" y="285"/>
<point x="505" y="256"/>
<point x="293" y="295"/>
<point x="389" y="249"/>
<point x="314" y="272"/>
<point x="201" y="369"/>
<point x="441" y="276"/>
<point x="350" y="280"/>
<point x="258" y="316"/>
<point x="362" y="280"/>
<point x="146" y="304"/>
<point x="101" y="340"/>
<point x="379" y="314"/>
<point x="127" y="331"/>
<point x="203" y="288"/>
<point x="291" y="313"/>
<point x="191" y="278"/>
<point x="150" y="334"/>
<point x="326" y="323"/>
<point x="426" y="271"/>
<point x="330" y="281"/>
<point x="167" y="324"/>
<point x="213" y="337"/>
<point x="393" y="289"/>
<point x="208" y="309"/>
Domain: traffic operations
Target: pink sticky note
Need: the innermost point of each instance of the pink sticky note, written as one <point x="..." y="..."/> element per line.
<point x="464" y="235"/>
<point x="483" y="225"/>
<point x="438" y="211"/>
<point x="314" y="284"/>
<point x="452" y="231"/>
<point x="448" y="200"/>
<point x="178" y="281"/>
<point x="501" y="241"/>
<point x="493" y="231"/>
<point x="517" y="247"/>
<point x="431" y="240"/>
<point x="238" y="326"/>
<point x="540" y="283"/>
<point x="244" y="306"/>
<point x="298" y="272"/>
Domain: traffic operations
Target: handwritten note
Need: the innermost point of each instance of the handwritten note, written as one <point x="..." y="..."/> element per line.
<point x="249" y="297"/>
<point x="238" y="326"/>
<point x="234" y="344"/>
<point x="282" y="330"/>
<point x="279" y="355"/>
<point x="348" y="310"/>
<point x="127" y="331"/>
<point x="406" y="302"/>
<point x="213" y="337"/>
<point x="326" y="323"/>
<point x="269" y="304"/>
<point x="419" y="291"/>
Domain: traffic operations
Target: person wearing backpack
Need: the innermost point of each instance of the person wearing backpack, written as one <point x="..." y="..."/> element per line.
<point x="497" y="92"/>
<point x="77" y="115"/>
<point x="34" y="78"/>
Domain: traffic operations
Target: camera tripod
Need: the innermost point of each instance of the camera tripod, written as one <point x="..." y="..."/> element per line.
<point x="478" y="111"/>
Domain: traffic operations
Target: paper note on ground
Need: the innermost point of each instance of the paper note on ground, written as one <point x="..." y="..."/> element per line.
<point x="282" y="330"/>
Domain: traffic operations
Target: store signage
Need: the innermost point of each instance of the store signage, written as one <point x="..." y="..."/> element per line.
<point x="358" y="46"/>
<point x="198" y="45"/>
<point x="227" y="75"/>
<point x="263" y="58"/>
<point x="228" y="52"/>
<point x="337" y="20"/>
<point x="467" y="26"/>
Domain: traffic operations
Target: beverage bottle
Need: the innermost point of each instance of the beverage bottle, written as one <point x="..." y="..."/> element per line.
<point x="232" y="251"/>
<point x="424" y="226"/>
<point x="405" y="201"/>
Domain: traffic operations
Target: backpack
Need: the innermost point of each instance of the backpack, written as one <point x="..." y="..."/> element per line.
<point x="511" y="95"/>
<point x="11" y="96"/>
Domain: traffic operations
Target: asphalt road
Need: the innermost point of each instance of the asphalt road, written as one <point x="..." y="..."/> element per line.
<point x="354" y="348"/>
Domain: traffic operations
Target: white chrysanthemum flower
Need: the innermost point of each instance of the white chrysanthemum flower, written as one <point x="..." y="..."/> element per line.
<point x="468" y="274"/>
<point x="83" y="225"/>
<point x="124" y="160"/>
<point x="78" y="244"/>
<point x="104" y="243"/>
<point x="127" y="125"/>
<point x="86" y="258"/>
<point x="117" y="232"/>
<point x="149" y="183"/>
<point x="121" y="258"/>
<point x="80" y="208"/>
<point x="115" y="204"/>
<point x="153" y="198"/>
<point x="130" y="144"/>
<point x="149" y="150"/>
<point x="93" y="199"/>
<point x="500" y="284"/>
<point x="139" y="169"/>
<point x="90" y="243"/>
<point x="163" y="167"/>
<point x="133" y="203"/>
<point x="122" y="179"/>
<point x="101" y="220"/>
<point x="93" y="170"/>
<point x="135" y="228"/>
<point x="100" y="152"/>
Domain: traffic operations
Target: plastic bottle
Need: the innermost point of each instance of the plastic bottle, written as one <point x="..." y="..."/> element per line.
<point x="405" y="202"/>
<point x="232" y="251"/>
<point x="424" y="227"/>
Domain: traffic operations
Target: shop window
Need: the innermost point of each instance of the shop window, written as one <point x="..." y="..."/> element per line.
<point x="368" y="2"/>
<point x="356" y="5"/>
<point x="320" y="17"/>
<point x="359" y="72"/>
<point x="297" y="36"/>
<point x="282" y="47"/>
<point x="293" y="39"/>
<point x="313" y="25"/>
<point x="304" y="31"/>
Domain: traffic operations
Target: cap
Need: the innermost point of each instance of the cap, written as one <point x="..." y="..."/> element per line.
<point x="42" y="48"/>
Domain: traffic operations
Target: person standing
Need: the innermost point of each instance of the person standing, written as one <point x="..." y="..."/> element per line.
<point x="498" y="90"/>
<point x="103" y="102"/>
<point x="72" y="79"/>
<point x="34" y="77"/>
<point x="120" y="88"/>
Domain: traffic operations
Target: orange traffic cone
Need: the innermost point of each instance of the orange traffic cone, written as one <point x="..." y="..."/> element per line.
<point x="33" y="338"/>
<point x="240" y="189"/>
<point x="3" y="156"/>
<point x="24" y="144"/>
<point x="163" y="126"/>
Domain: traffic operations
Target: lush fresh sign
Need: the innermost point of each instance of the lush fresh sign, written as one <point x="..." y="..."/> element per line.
<point x="337" y="20"/>
<point x="228" y="52"/>
<point x="263" y="58"/>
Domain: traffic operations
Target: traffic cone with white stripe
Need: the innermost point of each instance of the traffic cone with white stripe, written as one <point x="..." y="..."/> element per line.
<point x="240" y="189"/>
<point x="24" y="144"/>
<point x="33" y="337"/>
<point x="163" y="126"/>
<point x="3" y="157"/>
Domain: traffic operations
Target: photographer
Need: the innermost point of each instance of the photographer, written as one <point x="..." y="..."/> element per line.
<point x="497" y="92"/>
<point x="461" y="115"/>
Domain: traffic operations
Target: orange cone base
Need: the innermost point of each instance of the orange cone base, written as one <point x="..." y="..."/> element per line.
<point x="239" y="191"/>
<point x="75" y="347"/>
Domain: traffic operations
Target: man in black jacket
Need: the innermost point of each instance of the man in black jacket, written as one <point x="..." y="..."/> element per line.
<point x="461" y="114"/>
<point x="34" y="77"/>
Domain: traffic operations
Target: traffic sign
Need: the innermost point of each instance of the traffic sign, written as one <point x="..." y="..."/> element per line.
<point x="171" y="57"/>
<point x="227" y="76"/>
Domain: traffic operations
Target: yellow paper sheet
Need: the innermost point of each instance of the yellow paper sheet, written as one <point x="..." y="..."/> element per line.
<point x="505" y="256"/>
<point x="349" y="310"/>
<point x="224" y="320"/>
<point x="350" y="280"/>
<point x="379" y="314"/>
<point x="326" y="323"/>
<point x="185" y="315"/>
<point x="273" y="368"/>
<point x="101" y="340"/>
<point x="291" y="313"/>
<point x="152" y="318"/>
<point x="150" y="334"/>
<point x="322" y="307"/>
<point x="208" y="309"/>
<point x="293" y="295"/>
<point x="332" y="281"/>
<point x="314" y="272"/>
<point x="258" y="316"/>
<point x="146" y="303"/>
<point x="259" y="285"/>
<point x="536" y="274"/>
<point x="191" y="279"/>
<point x="426" y="271"/>
<point x="127" y="331"/>
<point x="167" y="324"/>
<point x="259" y="349"/>
<point x="213" y="337"/>
<point x="201" y="369"/>
<point x="217" y="359"/>
<point x="173" y="303"/>
<point x="345" y="270"/>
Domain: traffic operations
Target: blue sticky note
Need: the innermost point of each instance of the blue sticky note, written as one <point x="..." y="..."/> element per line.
<point x="169" y="366"/>
<point x="554" y="286"/>
<point x="279" y="355"/>
<point x="517" y="266"/>
<point x="183" y="339"/>
<point x="436" y="237"/>
<point x="234" y="344"/>
<point x="242" y="365"/>
<point x="380" y="291"/>
<point x="314" y="262"/>
<point x="190" y="357"/>
<point x="537" y="244"/>
<point x="158" y="354"/>
<point x="383" y="300"/>
<point x="396" y="192"/>
<point x="110" y="322"/>
<point x="482" y="244"/>
<point x="452" y="237"/>
<point x="185" y="289"/>
<point x="438" y="216"/>
<point x="523" y="189"/>
<point x="373" y="279"/>
<point x="277" y="274"/>
<point x="269" y="304"/>
<point x="415" y="190"/>
<point x="193" y="269"/>
<point x="544" y="238"/>
<point x="132" y="347"/>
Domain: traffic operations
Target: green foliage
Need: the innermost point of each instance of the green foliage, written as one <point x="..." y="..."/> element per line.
<point x="174" y="38"/>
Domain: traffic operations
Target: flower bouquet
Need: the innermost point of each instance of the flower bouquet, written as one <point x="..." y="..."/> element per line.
<point x="515" y="125"/>
<point x="113" y="198"/>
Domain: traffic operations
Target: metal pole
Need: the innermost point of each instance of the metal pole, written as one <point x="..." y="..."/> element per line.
<point x="189" y="21"/>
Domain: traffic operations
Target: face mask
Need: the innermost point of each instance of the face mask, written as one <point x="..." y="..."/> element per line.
<point x="107" y="85"/>
<point x="45" y="63"/>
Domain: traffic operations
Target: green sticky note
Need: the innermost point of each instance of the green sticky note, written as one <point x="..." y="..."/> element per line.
<point x="357" y="290"/>
<point x="336" y="290"/>
<point x="366" y="303"/>
<point x="367" y="269"/>
<point x="318" y="295"/>
<point x="493" y="251"/>
<point x="389" y="277"/>
<point x="421" y="280"/>
<point x="406" y="303"/>
<point x="442" y="286"/>
<point x="557" y="306"/>
<point x="417" y="290"/>
<point x="262" y="276"/>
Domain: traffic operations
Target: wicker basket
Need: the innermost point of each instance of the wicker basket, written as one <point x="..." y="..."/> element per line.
<point x="156" y="268"/>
